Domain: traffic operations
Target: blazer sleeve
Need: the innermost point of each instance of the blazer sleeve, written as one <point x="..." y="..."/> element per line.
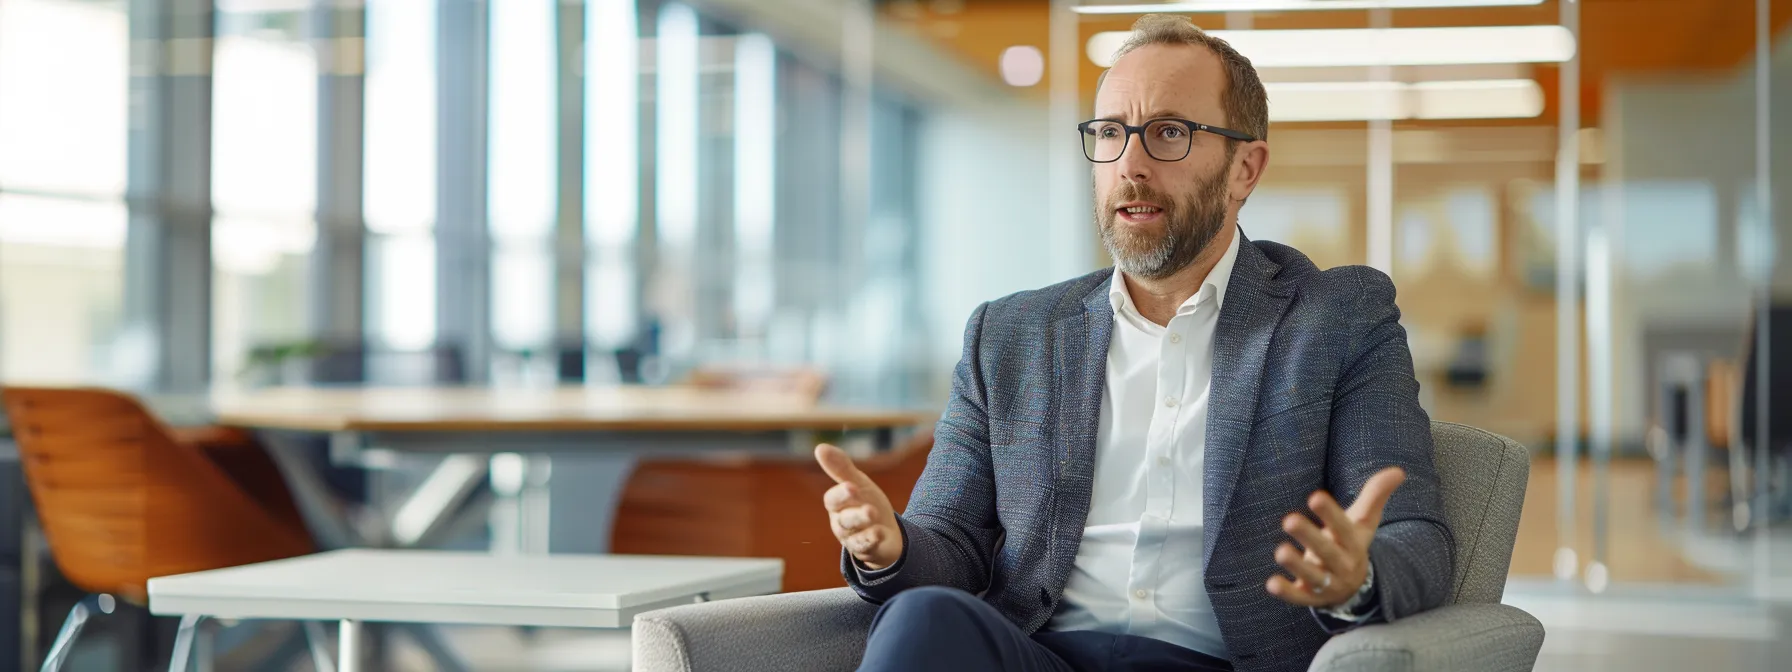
<point x="1377" y="423"/>
<point x="950" y="528"/>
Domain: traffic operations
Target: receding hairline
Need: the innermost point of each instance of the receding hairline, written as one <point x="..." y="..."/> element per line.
<point x="1103" y="77"/>
<point x="1243" y="100"/>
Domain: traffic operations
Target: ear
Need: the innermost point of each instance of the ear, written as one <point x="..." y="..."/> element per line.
<point x="1248" y="164"/>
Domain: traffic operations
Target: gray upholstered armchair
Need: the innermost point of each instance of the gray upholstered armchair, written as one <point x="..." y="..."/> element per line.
<point x="1484" y="477"/>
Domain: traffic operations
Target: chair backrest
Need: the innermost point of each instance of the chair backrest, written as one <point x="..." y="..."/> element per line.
<point x="121" y="500"/>
<point x="760" y="506"/>
<point x="1483" y="476"/>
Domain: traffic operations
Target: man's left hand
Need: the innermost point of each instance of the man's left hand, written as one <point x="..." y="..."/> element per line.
<point x="1336" y="561"/>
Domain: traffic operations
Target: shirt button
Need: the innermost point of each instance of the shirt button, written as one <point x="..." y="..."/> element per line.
<point x="1140" y="593"/>
<point x="1163" y="460"/>
<point x="1175" y="338"/>
<point x="1170" y="401"/>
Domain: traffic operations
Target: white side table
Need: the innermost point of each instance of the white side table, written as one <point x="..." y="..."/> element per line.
<point x="413" y="586"/>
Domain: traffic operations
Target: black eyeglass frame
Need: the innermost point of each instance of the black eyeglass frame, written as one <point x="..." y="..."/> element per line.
<point x="1193" y="127"/>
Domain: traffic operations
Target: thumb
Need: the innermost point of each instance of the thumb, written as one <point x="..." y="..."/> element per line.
<point x="839" y="466"/>
<point x="1374" y="497"/>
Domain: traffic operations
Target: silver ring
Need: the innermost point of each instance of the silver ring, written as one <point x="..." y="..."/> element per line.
<point x="1325" y="584"/>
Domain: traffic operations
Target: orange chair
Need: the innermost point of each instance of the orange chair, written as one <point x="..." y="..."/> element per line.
<point x="123" y="498"/>
<point x="766" y="507"/>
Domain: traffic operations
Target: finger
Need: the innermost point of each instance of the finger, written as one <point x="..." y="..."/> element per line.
<point x="1286" y="591"/>
<point x="1366" y="510"/>
<point x="864" y="542"/>
<point x="1337" y="525"/>
<point x="840" y="497"/>
<point x="1299" y="566"/>
<point x="1316" y="541"/>
<point x="1332" y="516"/>
<point x="839" y="466"/>
<point x="857" y="517"/>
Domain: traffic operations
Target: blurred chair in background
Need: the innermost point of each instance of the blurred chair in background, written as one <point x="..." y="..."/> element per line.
<point x="123" y="498"/>
<point x="764" y="507"/>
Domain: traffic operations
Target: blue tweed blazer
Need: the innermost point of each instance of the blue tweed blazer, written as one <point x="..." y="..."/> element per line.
<point x="1312" y="389"/>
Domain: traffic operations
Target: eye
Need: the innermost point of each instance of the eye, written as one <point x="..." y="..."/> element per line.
<point x="1172" y="132"/>
<point x="1109" y="132"/>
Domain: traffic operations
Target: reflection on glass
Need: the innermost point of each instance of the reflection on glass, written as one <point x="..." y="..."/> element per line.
<point x="521" y="176"/>
<point x="264" y="177"/>
<point x="612" y="163"/>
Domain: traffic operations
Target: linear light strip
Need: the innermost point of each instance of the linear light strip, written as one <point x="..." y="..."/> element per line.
<point x="1291" y="6"/>
<point x="1470" y="45"/>
<point x="1358" y="101"/>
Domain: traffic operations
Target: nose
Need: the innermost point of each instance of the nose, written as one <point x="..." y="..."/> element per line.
<point x="1134" y="163"/>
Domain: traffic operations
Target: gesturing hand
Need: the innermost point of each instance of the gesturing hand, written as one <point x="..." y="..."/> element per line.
<point x="1336" y="561"/>
<point x="858" y="511"/>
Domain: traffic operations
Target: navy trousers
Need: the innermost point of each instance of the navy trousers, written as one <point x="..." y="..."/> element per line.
<point x="933" y="628"/>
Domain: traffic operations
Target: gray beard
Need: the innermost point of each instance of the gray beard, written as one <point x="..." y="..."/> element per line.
<point x="1182" y="242"/>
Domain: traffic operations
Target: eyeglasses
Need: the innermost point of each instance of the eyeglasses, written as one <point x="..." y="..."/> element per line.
<point x="1104" y="140"/>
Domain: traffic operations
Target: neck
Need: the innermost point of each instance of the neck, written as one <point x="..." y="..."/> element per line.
<point x="1158" y="298"/>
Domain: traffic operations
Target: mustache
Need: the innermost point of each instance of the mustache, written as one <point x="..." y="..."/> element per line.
<point x="1133" y="191"/>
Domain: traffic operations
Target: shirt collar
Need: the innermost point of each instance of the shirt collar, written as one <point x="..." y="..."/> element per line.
<point x="1217" y="279"/>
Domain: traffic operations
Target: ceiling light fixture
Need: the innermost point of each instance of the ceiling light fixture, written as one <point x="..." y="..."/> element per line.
<point x="1200" y="6"/>
<point x="1360" y="101"/>
<point x="1379" y="46"/>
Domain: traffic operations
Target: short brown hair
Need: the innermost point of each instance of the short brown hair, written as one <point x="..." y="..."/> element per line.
<point x="1243" y="98"/>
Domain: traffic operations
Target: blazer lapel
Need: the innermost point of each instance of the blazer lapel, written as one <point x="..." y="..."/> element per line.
<point x="1252" y="309"/>
<point x="1080" y="348"/>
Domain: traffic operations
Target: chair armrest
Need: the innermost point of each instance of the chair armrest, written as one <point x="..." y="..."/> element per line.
<point x="820" y="630"/>
<point x="1457" y="637"/>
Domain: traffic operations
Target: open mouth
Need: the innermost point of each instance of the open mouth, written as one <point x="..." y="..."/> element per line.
<point x="1138" y="212"/>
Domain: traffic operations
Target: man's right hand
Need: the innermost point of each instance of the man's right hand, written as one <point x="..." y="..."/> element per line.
<point x="858" y="511"/>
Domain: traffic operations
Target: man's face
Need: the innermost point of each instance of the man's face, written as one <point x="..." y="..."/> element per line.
<point x="1157" y="216"/>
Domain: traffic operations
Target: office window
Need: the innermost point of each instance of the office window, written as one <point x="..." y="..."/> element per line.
<point x="264" y="180"/>
<point x="522" y="174"/>
<point x="64" y="81"/>
<point x="612" y="171"/>
<point x="400" y="180"/>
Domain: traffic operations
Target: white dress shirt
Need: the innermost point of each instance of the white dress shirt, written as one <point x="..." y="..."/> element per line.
<point x="1138" y="570"/>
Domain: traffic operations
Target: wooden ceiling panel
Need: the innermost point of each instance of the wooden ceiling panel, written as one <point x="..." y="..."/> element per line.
<point x="1618" y="37"/>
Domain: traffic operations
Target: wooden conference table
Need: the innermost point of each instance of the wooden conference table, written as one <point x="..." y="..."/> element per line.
<point x="469" y="425"/>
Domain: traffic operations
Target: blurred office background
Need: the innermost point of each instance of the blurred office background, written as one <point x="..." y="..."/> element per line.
<point x="1574" y="199"/>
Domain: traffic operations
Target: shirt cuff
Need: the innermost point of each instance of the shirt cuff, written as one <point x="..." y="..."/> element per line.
<point x="871" y="577"/>
<point x="1361" y="606"/>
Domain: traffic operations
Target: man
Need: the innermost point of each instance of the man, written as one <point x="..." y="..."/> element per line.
<point x="1133" y="470"/>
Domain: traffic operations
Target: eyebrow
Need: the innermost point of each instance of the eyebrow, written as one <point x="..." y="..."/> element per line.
<point x="1155" y="114"/>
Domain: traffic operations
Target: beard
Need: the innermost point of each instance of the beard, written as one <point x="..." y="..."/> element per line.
<point x="1191" y="222"/>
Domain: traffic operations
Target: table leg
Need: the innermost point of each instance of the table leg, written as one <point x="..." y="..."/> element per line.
<point x="348" y="652"/>
<point x="204" y="637"/>
<point x="327" y="516"/>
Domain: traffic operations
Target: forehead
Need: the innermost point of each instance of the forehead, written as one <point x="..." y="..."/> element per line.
<point x="1175" y="78"/>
